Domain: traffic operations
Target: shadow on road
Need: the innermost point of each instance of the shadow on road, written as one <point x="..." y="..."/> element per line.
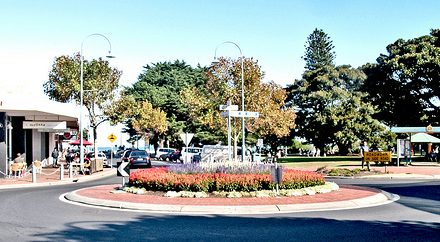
<point x="225" y="228"/>
<point x="424" y="197"/>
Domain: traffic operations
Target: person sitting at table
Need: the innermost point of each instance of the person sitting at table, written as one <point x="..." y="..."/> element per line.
<point x="18" y="159"/>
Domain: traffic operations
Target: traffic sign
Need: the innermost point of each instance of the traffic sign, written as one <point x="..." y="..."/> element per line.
<point x="67" y="135"/>
<point x="244" y="114"/>
<point x="186" y="138"/>
<point x="123" y="169"/>
<point x="229" y="107"/>
<point x="111" y="137"/>
<point x="260" y="143"/>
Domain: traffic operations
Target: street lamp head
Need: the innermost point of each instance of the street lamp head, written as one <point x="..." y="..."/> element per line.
<point x="215" y="61"/>
<point x="110" y="56"/>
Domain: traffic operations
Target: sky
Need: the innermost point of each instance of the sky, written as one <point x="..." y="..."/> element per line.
<point x="141" y="32"/>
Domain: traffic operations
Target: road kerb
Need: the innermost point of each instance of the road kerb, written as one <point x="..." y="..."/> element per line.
<point x="377" y="199"/>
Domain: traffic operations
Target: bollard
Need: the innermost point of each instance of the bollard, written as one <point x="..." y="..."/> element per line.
<point x="62" y="172"/>
<point x="34" y="174"/>
<point x="277" y="176"/>
<point x="70" y="170"/>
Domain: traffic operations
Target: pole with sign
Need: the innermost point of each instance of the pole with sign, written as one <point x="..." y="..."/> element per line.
<point x="123" y="170"/>
<point x="240" y="114"/>
<point x="186" y="138"/>
<point x="112" y="139"/>
<point x="228" y="107"/>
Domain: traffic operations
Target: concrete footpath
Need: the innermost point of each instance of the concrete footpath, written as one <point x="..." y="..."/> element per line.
<point x="347" y="197"/>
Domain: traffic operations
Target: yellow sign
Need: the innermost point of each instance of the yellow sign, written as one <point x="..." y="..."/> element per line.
<point x="111" y="137"/>
<point x="378" y="156"/>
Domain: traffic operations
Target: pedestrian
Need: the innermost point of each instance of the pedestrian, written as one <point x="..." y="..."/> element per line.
<point x="363" y="149"/>
<point x="55" y="155"/>
<point x="269" y="157"/>
<point x="18" y="159"/>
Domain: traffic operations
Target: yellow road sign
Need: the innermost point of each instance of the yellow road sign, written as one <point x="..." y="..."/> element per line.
<point x="378" y="156"/>
<point x="111" y="137"/>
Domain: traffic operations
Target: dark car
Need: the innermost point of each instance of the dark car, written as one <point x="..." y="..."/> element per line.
<point x="175" y="156"/>
<point x="137" y="158"/>
<point x="196" y="158"/>
<point x="166" y="156"/>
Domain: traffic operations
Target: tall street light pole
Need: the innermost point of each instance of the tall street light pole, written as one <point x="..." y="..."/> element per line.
<point x="81" y="102"/>
<point x="243" y="137"/>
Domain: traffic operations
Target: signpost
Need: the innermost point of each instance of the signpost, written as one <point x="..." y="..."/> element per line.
<point x="123" y="170"/>
<point x="378" y="156"/>
<point x="259" y="143"/>
<point x="228" y="108"/>
<point x="245" y="114"/>
<point x="112" y="139"/>
<point x="232" y="111"/>
<point x="186" y="138"/>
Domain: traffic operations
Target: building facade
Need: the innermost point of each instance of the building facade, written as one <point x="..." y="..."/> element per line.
<point x="32" y="126"/>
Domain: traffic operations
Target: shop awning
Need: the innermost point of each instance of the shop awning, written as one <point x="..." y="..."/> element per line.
<point x="424" y="138"/>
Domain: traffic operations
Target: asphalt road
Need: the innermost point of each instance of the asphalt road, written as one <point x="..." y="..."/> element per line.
<point x="37" y="214"/>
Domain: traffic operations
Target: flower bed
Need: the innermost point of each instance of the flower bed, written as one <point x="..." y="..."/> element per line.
<point x="177" y="179"/>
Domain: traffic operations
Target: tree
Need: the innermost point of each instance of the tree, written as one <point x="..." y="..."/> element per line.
<point x="319" y="50"/>
<point x="331" y="110"/>
<point x="100" y="80"/>
<point x="141" y="118"/>
<point x="160" y="84"/>
<point x="148" y="121"/>
<point x="224" y="83"/>
<point x="404" y="83"/>
<point x="330" y="105"/>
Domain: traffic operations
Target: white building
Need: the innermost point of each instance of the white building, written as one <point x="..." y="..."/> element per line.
<point x="30" y="125"/>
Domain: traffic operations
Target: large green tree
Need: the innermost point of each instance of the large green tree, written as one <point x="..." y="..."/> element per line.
<point x="160" y="84"/>
<point x="331" y="109"/>
<point x="99" y="83"/>
<point x="319" y="50"/>
<point x="405" y="83"/>
<point x="223" y="85"/>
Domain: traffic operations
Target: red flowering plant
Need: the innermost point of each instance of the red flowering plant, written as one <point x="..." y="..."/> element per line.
<point x="164" y="179"/>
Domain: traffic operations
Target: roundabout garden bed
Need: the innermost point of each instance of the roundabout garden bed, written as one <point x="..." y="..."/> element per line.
<point x="225" y="180"/>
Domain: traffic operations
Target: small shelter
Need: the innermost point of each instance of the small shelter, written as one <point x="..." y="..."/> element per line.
<point x="424" y="138"/>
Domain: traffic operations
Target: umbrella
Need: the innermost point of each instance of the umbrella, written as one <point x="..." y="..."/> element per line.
<point x="78" y="142"/>
<point x="424" y="138"/>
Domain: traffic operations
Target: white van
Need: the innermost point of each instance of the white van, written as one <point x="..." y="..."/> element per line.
<point x="188" y="153"/>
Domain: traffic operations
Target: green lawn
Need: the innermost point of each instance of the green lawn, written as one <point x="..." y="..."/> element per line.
<point x="316" y="165"/>
<point x="319" y="159"/>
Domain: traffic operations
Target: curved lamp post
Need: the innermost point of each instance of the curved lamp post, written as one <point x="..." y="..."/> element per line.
<point x="81" y="122"/>
<point x="243" y="145"/>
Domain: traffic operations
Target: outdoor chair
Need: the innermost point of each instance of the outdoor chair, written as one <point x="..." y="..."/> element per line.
<point x="38" y="166"/>
<point x="17" y="169"/>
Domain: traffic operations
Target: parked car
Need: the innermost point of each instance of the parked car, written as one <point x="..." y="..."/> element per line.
<point x="100" y="155"/>
<point x="163" y="151"/>
<point x="137" y="158"/>
<point x="176" y="156"/>
<point x="188" y="153"/>
<point x="166" y="156"/>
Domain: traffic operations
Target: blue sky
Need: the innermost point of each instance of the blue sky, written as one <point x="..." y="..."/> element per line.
<point x="34" y="32"/>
